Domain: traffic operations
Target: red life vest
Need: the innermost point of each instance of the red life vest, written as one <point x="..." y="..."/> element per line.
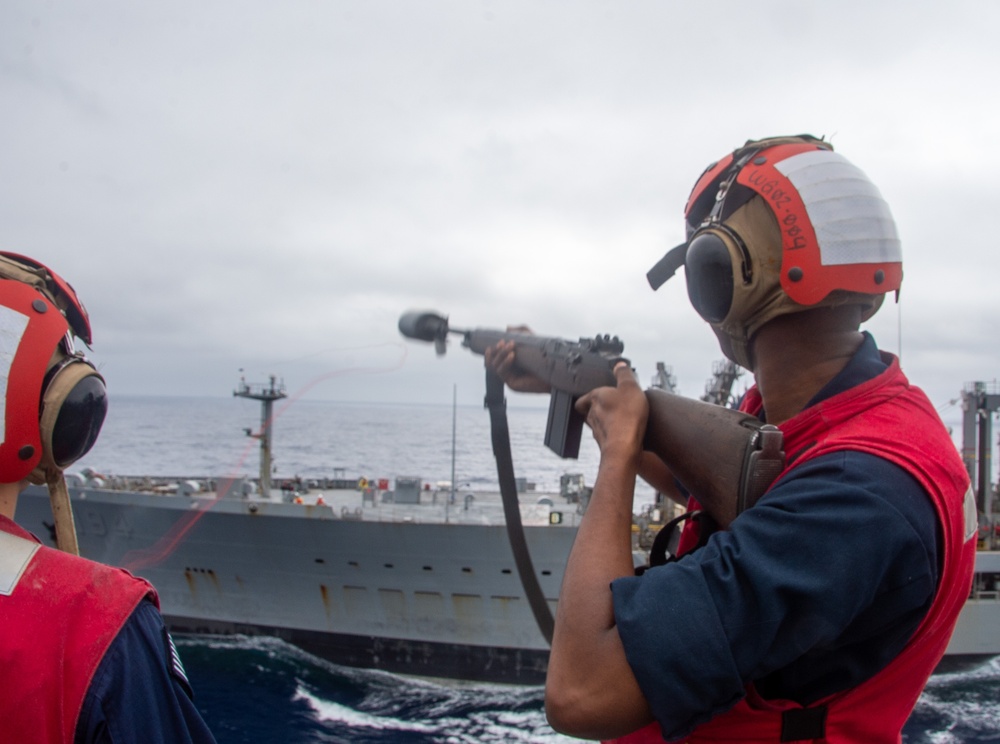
<point x="886" y="417"/>
<point x="58" y="615"/>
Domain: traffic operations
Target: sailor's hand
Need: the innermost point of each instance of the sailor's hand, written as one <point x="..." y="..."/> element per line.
<point x="617" y="415"/>
<point x="502" y="359"/>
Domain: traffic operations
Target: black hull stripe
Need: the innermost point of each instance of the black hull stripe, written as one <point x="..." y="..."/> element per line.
<point x="420" y="658"/>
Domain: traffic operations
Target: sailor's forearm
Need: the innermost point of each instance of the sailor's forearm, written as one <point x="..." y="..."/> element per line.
<point x="602" y="550"/>
<point x="590" y="689"/>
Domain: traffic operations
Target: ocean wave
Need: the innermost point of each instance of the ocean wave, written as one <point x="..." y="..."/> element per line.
<point x="254" y="682"/>
<point x="347" y="704"/>
<point x="327" y="710"/>
<point x="474" y="725"/>
<point x="958" y="708"/>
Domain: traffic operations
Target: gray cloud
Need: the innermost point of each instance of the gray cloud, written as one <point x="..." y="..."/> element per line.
<point x="267" y="186"/>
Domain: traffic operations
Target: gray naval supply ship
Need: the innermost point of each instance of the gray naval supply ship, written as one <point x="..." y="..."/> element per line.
<point x="395" y="576"/>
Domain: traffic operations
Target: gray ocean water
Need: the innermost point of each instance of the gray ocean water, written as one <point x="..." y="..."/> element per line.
<point x="263" y="690"/>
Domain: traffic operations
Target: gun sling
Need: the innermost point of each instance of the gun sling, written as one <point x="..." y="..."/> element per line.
<point x="497" y="405"/>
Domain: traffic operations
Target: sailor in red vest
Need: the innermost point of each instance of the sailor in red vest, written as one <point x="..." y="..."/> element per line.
<point x="821" y="612"/>
<point x="84" y="654"/>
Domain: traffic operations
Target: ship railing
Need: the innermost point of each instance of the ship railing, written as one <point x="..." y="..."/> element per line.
<point x="984" y="594"/>
<point x="991" y="387"/>
<point x="532" y="515"/>
<point x="986" y="580"/>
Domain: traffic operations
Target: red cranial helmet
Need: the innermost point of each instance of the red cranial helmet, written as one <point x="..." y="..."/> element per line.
<point x="779" y="226"/>
<point x="53" y="401"/>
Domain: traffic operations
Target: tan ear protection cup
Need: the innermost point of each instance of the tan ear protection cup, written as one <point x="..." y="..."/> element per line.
<point x="74" y="405"/>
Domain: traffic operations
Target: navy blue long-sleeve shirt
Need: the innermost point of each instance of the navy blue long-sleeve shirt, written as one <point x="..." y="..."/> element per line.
<point x="812" y="591"/>
<point x="140" y="692"/>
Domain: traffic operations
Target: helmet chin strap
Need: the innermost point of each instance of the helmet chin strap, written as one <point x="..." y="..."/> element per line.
<point x="62" y="511"/>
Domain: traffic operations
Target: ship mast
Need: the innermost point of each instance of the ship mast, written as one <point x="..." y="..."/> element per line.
<point x="719" y="389"/>
<point x="266" y="394"/>
<point x="980" y="402"/>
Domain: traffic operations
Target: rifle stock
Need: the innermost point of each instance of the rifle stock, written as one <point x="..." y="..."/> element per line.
<point x="726" y="459"/>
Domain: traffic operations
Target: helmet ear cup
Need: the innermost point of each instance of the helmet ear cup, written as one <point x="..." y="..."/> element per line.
<point x="710" y="268"/>
<point x="74" y="405"/>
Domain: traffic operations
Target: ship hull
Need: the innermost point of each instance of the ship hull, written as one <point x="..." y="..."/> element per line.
<point x="426" y="599"/>
<point x="474" y="663"/>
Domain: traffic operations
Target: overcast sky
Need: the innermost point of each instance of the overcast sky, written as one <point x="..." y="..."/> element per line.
<point x="267" y="186"/>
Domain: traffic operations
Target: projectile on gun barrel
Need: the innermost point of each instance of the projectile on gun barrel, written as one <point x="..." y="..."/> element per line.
<point x="571" y="368"/>
<point x="727" y="459"/>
